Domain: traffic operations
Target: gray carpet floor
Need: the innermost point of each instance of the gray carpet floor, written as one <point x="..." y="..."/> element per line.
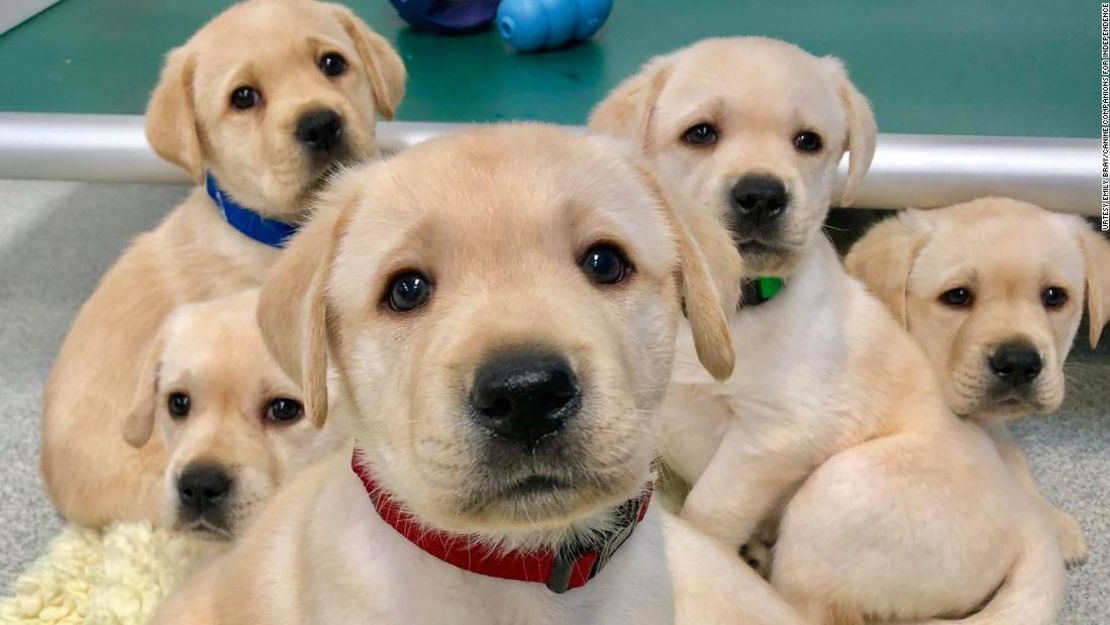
<point x="57" y="238"/>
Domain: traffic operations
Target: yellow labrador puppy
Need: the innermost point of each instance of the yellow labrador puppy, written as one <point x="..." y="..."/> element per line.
<point x="231" y="421"/>
<point x="260" y="105"/>
<point x="993" y="291"/>
<point x="498" y="311"/>
<point x="891" y="508"/>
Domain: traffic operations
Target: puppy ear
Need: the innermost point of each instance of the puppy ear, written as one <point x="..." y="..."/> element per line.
<point x="171" y="125"/>
<point x="712" y="338"/>
<point x="862" y="130"/>
<point x="884" y="257"/>
<point x="1096" y="253"/>
<point x="628" y="110"/>
<point x="293" y="309"/>
<point x="140" y="419"/>
<point x="383" y="64"/>
<point x="703" y="303"/>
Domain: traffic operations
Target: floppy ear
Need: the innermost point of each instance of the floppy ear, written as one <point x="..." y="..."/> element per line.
<point x="1096" y="253"/>
<point x="861" y="130"/>
<point x="704" y="304"/>
<point x="293" y="308"/>
<point x="383" y="64"/>
<point x="884" y="257"/>
<point x="627" y="111"/>
<point x="171" y="125"/>
<point x="140" y="420"/>
<point x="712" y="338"/>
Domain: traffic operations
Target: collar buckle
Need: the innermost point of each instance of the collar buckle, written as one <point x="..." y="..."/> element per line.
<point x="562" y="569"/>
<point x="628" y="516"/>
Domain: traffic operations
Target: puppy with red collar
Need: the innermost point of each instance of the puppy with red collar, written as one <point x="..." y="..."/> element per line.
<point x="494" y="313"/>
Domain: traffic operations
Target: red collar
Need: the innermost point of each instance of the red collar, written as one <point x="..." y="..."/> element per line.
<point x="559" y="571"/>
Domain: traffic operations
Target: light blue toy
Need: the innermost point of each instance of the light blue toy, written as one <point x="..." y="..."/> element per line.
<point x="534" y="25"/>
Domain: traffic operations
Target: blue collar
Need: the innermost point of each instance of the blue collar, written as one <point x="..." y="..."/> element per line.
<point x="267" y="231"/>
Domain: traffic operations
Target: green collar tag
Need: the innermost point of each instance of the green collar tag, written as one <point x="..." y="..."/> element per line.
<point x="769" y="286"/>
<point x="756" y="291"/>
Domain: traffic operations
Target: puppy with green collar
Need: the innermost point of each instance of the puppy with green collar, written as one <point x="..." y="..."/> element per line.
<point x="832" y="432"/>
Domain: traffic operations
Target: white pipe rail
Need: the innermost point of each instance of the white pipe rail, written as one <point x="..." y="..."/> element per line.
<point x="922" y="171"/>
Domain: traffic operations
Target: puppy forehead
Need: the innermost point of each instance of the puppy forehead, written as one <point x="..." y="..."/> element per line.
<point x="761" y="76"/>
<point x="275" y="29"/>
<point x="509" y="190"/>
<point x="268" y="17"/>
<point x="1002" y="244"/>
<point x="217" y="339"/>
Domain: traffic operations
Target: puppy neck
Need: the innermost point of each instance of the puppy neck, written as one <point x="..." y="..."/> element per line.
<point x="561" y="560"/>
<point x="807" y="280"/>
<point x="248" y="221"/>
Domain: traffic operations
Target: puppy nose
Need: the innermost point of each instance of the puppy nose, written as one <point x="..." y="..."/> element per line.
<point x="320" y="130"/>
<point x="525" y="396"/>
<point x="1015" y="363"/>
<point x="758" y="199"/>
<point x="203" y="488"/>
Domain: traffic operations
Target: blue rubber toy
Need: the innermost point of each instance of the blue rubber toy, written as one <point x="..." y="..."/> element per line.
<point x="447" y="16"/>
<point x="534" y="25"/>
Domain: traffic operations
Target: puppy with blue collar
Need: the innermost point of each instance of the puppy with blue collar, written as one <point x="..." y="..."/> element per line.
<point x="260" y="107"/>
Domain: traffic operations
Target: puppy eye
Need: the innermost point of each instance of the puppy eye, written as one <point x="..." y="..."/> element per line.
<point x="958" y="297"/>
<point x="178" y="404"/>
<point x="409" y="291"/>
<point x="700" y="134"/>
<point x="605" y="264"/>
<point x="245" y="97"/>
<point x="807" y="141"/>
<point x="1054" y="297"/>
<point x="333" y="64"/>
<point x="284" y="410"/>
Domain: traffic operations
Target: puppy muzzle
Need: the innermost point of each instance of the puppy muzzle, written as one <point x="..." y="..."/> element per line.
<point x="204" y="493"/>
<point x="758" y="210"/>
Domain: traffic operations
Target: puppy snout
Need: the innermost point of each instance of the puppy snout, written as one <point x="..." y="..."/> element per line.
<point x="525" y="397"/>
<point x="203" y="489"/>
<point x="1015" y="364"/>
<point x="320" y="131"/>
<point x="758" y="199"/>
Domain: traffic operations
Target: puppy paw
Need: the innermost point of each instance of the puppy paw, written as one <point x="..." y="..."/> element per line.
<point x="758" y="556"/>
<point x="1072" y="543"/>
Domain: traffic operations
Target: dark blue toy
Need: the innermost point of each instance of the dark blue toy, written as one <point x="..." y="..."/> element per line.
<point x="526" y="25"/>
<point x="533" y="25"/>
<point x="447" y="16"/>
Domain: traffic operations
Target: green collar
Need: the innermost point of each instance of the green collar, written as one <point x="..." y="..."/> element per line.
<point x="759" y="290"/>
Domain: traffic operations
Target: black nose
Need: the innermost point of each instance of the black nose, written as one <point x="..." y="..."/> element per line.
<point x="525" y="396"/>
<point x="1015" y="363"/>
<point x="758" y="199"/>
<point x="320" y="130"/>
<point x="203" y="488"/>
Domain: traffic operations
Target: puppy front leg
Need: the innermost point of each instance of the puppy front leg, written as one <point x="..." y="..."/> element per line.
<point x="739" y="488"/>
<point x="1072" y="543"/>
